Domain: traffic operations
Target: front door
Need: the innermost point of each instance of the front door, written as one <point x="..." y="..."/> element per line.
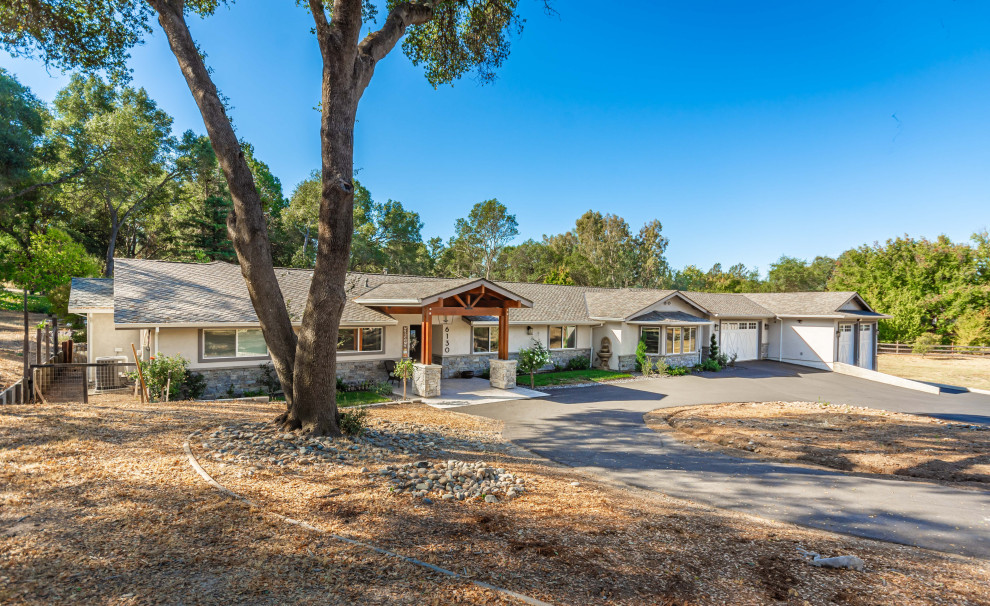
<point x="415" y="340"/>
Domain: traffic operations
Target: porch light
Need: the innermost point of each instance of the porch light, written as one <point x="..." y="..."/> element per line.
<point x="529" y="330"/>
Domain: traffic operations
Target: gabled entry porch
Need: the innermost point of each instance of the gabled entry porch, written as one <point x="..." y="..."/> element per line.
<point x="436" y="304"/>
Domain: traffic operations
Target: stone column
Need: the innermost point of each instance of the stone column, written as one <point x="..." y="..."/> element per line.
<point x="502" y="373"/>
<point x="426" y="380"/>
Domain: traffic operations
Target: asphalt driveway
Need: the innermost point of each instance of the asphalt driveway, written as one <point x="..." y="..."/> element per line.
<point x="600" y="430"/>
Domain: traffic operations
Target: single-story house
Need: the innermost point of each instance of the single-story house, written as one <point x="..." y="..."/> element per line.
<point x="202" y="311"/>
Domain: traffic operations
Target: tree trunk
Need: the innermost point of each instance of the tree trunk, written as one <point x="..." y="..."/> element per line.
<point x="307" y="364"/>
<point x="246" y="223"/>
<point x="111" y="247"/>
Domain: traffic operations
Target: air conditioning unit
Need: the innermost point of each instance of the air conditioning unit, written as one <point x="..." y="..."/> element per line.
<point x="111" y="373"/>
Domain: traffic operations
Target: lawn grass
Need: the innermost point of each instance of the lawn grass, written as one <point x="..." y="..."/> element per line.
<point x="570" y="377"/>
<point x="356" y="398"/>
<point x="13" y="301"/>
<point x="966" y="372"/>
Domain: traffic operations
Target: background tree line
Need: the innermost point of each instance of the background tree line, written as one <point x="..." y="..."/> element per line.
<point x="99" y="175"/>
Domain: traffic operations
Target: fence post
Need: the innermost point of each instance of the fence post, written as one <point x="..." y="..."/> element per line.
<point x="85" y="385"/>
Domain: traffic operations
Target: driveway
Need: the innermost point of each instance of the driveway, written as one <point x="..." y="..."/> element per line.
<point x="600" y="430"/>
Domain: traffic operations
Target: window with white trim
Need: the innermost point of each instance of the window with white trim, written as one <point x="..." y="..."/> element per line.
<point x="681" y="339"/>
<point x="368" y="338"/>
<point x="234" y="343"/>
<point x="563" y="337"/>
<point x="651" y="337"/>
<point x="485" y="339"/>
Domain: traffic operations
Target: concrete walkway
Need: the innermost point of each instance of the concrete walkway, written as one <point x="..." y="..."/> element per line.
<point x="471" y="392"/>
<point x="601" y="430"/>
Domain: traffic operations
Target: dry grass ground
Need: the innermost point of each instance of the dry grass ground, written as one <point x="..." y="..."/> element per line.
<point x="98" y="504"/>
<point x="966" y="372"/>
<point x="12" y="345"/>
<point x="861" y="440"/>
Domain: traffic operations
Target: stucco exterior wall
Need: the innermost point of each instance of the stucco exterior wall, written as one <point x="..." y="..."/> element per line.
<point x="105" y="341"/>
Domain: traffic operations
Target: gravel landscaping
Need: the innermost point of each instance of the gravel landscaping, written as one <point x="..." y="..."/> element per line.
<point x="847" y="438"/>
<point x="257" y="445"/>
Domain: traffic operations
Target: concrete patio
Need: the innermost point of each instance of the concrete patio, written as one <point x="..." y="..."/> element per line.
<point x="469" y="392"/>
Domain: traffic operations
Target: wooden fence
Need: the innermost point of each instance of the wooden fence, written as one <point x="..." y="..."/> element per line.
<point x="13" y="394"/>
<point x="939" y="350"/>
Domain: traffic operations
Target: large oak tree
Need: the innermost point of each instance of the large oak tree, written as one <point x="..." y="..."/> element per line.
<point x="450" y="38"/>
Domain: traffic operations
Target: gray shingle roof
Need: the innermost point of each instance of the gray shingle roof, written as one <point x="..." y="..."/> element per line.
<point x="160" y="292"/>
<point x="91" y="293"/>
<point x="622" y="302"/>
<point x="729" y="305"/>
<point x="801" y="303"/>
<point x="678" y="317"/>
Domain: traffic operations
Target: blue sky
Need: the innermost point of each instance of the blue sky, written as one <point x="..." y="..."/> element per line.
<point x="750" y="129"/>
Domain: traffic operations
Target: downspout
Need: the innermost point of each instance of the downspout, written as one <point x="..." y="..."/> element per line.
<point x="780" y="345"/>
<point x="156" y="341"/>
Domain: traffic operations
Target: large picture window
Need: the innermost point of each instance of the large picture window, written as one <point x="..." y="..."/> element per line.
<point x="681" y="340"/>
<point x="563" y="337"/>
<point x="485" y="339"/>
<point x="651" y="337"/>
<point x="234" y="343"/>
<point x="359" y="339"/>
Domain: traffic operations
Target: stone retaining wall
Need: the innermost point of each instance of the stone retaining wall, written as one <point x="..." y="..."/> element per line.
<point x="479" y="363"/>
<point x="222" y="382"/>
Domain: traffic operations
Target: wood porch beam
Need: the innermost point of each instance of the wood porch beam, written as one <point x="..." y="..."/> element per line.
<point x="464" y="311"/>
<point x="503" y="334"/>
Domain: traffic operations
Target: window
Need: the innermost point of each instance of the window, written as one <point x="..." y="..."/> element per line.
<point x="681" y="340"/>
<point x="651" y="336"/>
<point x="486" y="339"/>
<point x="234" y="343"/>
<point x="359" y="339"/>
<point x="563" y="337"/>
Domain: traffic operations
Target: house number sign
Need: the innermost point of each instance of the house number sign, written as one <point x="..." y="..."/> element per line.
<point x="446" y="339"/>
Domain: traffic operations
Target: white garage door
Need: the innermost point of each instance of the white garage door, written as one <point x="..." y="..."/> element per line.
<point x="740" y="338"/>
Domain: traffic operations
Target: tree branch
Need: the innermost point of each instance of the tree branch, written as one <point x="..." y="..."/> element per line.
<point x="379" y="44"/>
<point x="323" y="31"/>
<point x="27" y="190"/>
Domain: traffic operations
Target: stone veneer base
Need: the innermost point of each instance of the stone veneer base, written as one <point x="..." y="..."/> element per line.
<point x="426" y="380"/>
<point x="503" y="374"/>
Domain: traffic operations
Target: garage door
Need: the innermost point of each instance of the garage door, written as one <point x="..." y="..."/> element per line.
<point x="740" y="338"/>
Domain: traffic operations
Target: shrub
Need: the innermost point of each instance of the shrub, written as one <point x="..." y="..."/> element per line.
<point x="193" y="386"/>
<point x="270" y="381"/>
<point x="713" y="348"/>
<point x="352" y="421"/>
<point x="925" y="343"/>
<point x="341" y="386"/>
<point x="578" y="363"/>
<point x="382" y="388"/>
<point x="641" y="358"/>
<point x="662" y="367"/>
<point x="730" y="362"/>
<point x="532" y="359"/>
<point x="164" y="376"/>
<point x="676" y="371"/>
<point x="709" y="365"/>
<point x="646" y="367"/>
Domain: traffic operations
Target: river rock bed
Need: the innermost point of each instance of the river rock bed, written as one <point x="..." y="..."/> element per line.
<point x="454" y="479"/>
<point x="400" y="452"/>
